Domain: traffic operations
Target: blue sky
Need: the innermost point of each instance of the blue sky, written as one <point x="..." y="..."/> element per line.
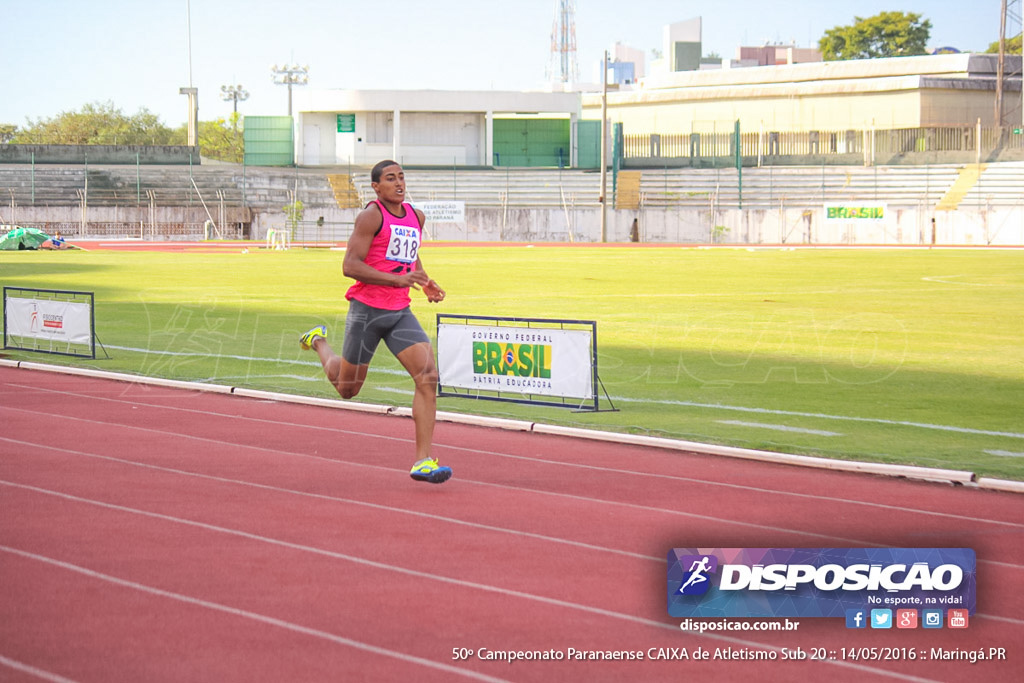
<point x="61" y="54"/>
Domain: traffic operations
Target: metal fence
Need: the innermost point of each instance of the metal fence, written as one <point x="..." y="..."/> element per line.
<point x="162" y="230"/>
<point x="718" y="142"/>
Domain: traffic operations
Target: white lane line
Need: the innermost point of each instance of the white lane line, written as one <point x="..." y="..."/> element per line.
<point x="625" y="399"/>
<point x="431" y="516"/>
<point x="1006" y="454"/>
<point x="555" y="494"/>
<point x="474" y="451"/>
<point x="779" y="428"/>
<point x="416" y="573"/>
<point x="948" y="280"/>
<point x="825" y="416"/>
<point x="248" y="359"/>
<point x="246" y="614"/>
<point x="34" y="671"/>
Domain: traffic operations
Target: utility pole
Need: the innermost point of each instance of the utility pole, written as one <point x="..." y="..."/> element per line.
<point x="604" y="148"/>
<point x="1010" y="25"/>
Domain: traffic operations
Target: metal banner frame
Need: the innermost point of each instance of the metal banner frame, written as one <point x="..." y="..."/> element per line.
<point x="519" y="329"/>
<point x="50" y="297"/>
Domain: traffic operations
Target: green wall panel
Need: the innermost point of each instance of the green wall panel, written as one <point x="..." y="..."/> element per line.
<point x="588" y="137"/>
<point x="269" y="141"/>
<point x="531" y="142"/>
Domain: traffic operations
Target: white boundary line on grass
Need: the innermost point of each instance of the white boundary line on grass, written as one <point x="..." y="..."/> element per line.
<point x="907" y="471"/>
<point x="622" y="399"/>
<point x="778" y="428"/>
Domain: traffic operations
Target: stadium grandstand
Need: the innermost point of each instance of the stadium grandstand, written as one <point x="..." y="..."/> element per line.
<point x="970" y="203"/>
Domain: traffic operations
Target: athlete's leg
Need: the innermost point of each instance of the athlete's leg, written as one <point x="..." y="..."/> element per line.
<point x="346" y="377"/>
<point x="347" y="372"/>
<point x="418" y="360"/>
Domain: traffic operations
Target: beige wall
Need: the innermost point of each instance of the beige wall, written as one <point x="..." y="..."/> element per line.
<point x="909" y="92"/>
<point x="783" y="114"/>
<point x="960" y="107"/>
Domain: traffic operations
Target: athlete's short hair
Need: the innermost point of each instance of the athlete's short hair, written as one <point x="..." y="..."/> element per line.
<point x="378" y="170"/>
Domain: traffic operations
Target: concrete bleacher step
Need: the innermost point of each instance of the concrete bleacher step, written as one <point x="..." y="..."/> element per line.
<point x="627" y="190"/>
<point x="780" y="187"/>
<point x="345" y="193"/>
<point x="763" y="188"/>
<point x="965" y="181"/>
<point x="544" y="188"/>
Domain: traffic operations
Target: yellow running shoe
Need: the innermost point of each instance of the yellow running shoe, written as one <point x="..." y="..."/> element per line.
<point x="306" y="340"/>
<point x="428" y="470"/>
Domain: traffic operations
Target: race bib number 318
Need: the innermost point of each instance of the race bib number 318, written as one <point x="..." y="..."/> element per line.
<point x="404" y="244"/>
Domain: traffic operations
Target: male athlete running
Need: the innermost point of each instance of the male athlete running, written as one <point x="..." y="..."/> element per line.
<point x="383" y="257"/>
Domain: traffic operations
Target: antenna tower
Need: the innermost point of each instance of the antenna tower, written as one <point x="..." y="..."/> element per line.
<point x="563" y="67"/>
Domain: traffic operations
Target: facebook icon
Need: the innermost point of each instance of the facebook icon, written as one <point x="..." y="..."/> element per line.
<point x="856" y="618"/>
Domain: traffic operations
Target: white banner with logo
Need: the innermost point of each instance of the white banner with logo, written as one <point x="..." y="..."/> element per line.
<point x="443" y="212"/>
<point x="526" y="360"/>
<point x="64" y="321"/>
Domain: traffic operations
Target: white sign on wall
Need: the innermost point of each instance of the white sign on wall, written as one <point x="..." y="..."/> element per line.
<point x="443" y="212"/>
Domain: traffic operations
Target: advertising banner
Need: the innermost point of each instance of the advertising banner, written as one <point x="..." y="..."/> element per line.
<point x="855" y="212"/>
<point x="519" y="358"/>
<point x="61" y="321"/>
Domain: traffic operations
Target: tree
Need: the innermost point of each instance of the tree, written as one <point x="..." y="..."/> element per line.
<point x="293" y="214"/>
<point x="1013" y="46"/>
<point x="888" y="34"/>
<point x="221" y="139"/>
<point x="99" y="123"/>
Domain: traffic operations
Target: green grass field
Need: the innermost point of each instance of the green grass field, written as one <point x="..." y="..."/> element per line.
<point x="900" y="356"/>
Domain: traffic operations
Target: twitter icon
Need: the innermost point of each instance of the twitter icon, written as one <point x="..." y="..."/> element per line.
<point x="881" y="618"/>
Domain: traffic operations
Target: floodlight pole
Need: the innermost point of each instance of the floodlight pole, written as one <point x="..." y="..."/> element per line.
<point x="234" y="94"/>
<point x="604" y="148"/>
<point x="290" y="74"/>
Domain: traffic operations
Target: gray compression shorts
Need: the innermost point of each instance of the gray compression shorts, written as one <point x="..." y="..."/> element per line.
<point x="366" y="326"/>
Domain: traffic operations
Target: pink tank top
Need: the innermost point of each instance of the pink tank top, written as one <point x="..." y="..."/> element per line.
<point x="393" y="250"/>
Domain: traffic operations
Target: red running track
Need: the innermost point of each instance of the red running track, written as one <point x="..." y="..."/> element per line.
<point x="158" y="534"/>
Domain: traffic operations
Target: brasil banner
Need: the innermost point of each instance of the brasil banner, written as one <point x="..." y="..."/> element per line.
<point x="855" y="212"/>
<point x="516" y="359"/>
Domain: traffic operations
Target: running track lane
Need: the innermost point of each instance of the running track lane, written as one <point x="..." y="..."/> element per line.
<point x="160" y="534"/>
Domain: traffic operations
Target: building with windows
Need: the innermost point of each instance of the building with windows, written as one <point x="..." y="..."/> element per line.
<point x="438" y="128"/>
<point x="856" y="95"/>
